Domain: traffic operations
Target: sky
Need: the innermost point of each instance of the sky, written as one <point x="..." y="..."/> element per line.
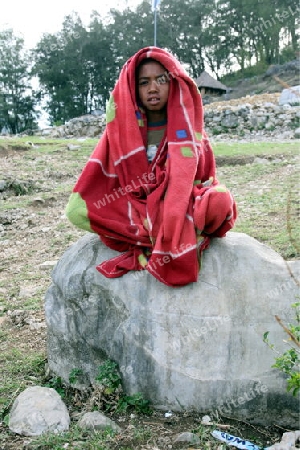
<point x="31" y="18"/>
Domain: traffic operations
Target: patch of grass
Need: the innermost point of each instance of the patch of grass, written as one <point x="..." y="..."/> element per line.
<point x="3" y="335"/>
<point x="76" y="438"/>
<point x="255" y="148"/>
<point x="142" y="434"/>
<point x="15" y="204"/>
<point x="15" y="141"/>
<point x="268" y="207"/>
<point x="25" y="364"/>
<point x="19" y="372"/>
<point x="32" y="303"/>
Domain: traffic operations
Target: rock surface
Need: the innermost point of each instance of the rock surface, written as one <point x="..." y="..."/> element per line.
<point x="38" y="410"/>
<point x="290" y="96"/>
<point x="289" y="441"/>
<point x="197" y="347"/>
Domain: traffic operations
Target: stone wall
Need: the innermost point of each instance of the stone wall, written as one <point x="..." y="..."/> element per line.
<point x="252" y="116"/>
<point x="259" y="115"/>
<point x="84" y="126"/>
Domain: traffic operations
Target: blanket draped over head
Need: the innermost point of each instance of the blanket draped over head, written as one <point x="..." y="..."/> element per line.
<point x="160" y="216"/>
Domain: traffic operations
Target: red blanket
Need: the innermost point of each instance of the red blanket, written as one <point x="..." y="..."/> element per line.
<point x="162" y="215"/>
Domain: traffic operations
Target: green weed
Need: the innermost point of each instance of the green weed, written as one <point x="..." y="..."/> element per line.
<point x="74" y="375"/>
<point x="57" y="384"/>
<point x="110" y="380"/>
<point x="109" y="377"/>
<point x="289" y="361"/>
<point x="136" y="402"/>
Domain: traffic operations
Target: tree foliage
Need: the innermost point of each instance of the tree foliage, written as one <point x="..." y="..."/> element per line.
<point x="63" y="68"/>
<point x="17" y="98"/>
<point x="77" y="67"/>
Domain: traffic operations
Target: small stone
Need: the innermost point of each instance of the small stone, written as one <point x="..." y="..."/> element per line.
<point x="206" y="420"/>
<point x="288" y="441"/>
<point x="189" y="438"/>
<point x="38" y="410"/>
<point x="37" y="201"/>
<point x="3" y="320"/>
<point x="297" y="133"/>
<point x="36" y="326"/>
<point x="48" y="265"/>
<point x="73" y="147"/>
<point x="258" y="160"/>
<point x="46" y="229"/>
<point x="27" y="292"/>
<point x="97" y="421"/>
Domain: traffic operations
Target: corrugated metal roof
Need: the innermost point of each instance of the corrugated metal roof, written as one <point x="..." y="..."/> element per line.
<point x="207" y="81"/>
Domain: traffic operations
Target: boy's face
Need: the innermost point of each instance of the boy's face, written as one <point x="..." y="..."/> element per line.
<point x="153" y="89"/>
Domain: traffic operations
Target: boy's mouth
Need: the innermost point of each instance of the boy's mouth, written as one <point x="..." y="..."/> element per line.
<point x="153" y="101"/>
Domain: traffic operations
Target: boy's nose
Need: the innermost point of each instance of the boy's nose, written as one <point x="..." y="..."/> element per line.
<point x="153" y="85"/>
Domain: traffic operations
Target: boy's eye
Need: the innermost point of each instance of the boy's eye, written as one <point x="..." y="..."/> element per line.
<point x="143" y="82"/>
<point x="162" y="79"/>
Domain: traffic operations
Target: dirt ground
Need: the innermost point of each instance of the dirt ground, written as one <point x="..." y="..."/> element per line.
<point x="34" y="233"/>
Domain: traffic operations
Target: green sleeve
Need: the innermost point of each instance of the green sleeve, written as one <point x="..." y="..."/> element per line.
<point x="77" y="212"/>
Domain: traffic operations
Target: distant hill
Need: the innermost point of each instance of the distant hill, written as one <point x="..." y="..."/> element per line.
<point x="273" y="80"/>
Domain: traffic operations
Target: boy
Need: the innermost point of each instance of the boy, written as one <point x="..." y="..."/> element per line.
<point x="153" y="91"/>
<point x="149" y="189"/>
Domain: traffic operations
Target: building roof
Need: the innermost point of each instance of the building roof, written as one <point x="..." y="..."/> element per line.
<point x="207" y="81"/>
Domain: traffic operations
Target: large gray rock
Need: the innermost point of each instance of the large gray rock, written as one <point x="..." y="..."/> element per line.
<point x="196" y="347"/>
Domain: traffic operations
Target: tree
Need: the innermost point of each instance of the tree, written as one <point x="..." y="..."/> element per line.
<point x="17" y="98"/>
<point x="264" y="31"/>
<point x="129" y="31"/>
<point x="61" y="71"/>
<point x="75" y="68"/>
<point x="182" y="30"/>
<point x="288" y="15"/>
<point x="257" y="31"/>
<point x="101" y="61"/>
<point x="191" y="30"/>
